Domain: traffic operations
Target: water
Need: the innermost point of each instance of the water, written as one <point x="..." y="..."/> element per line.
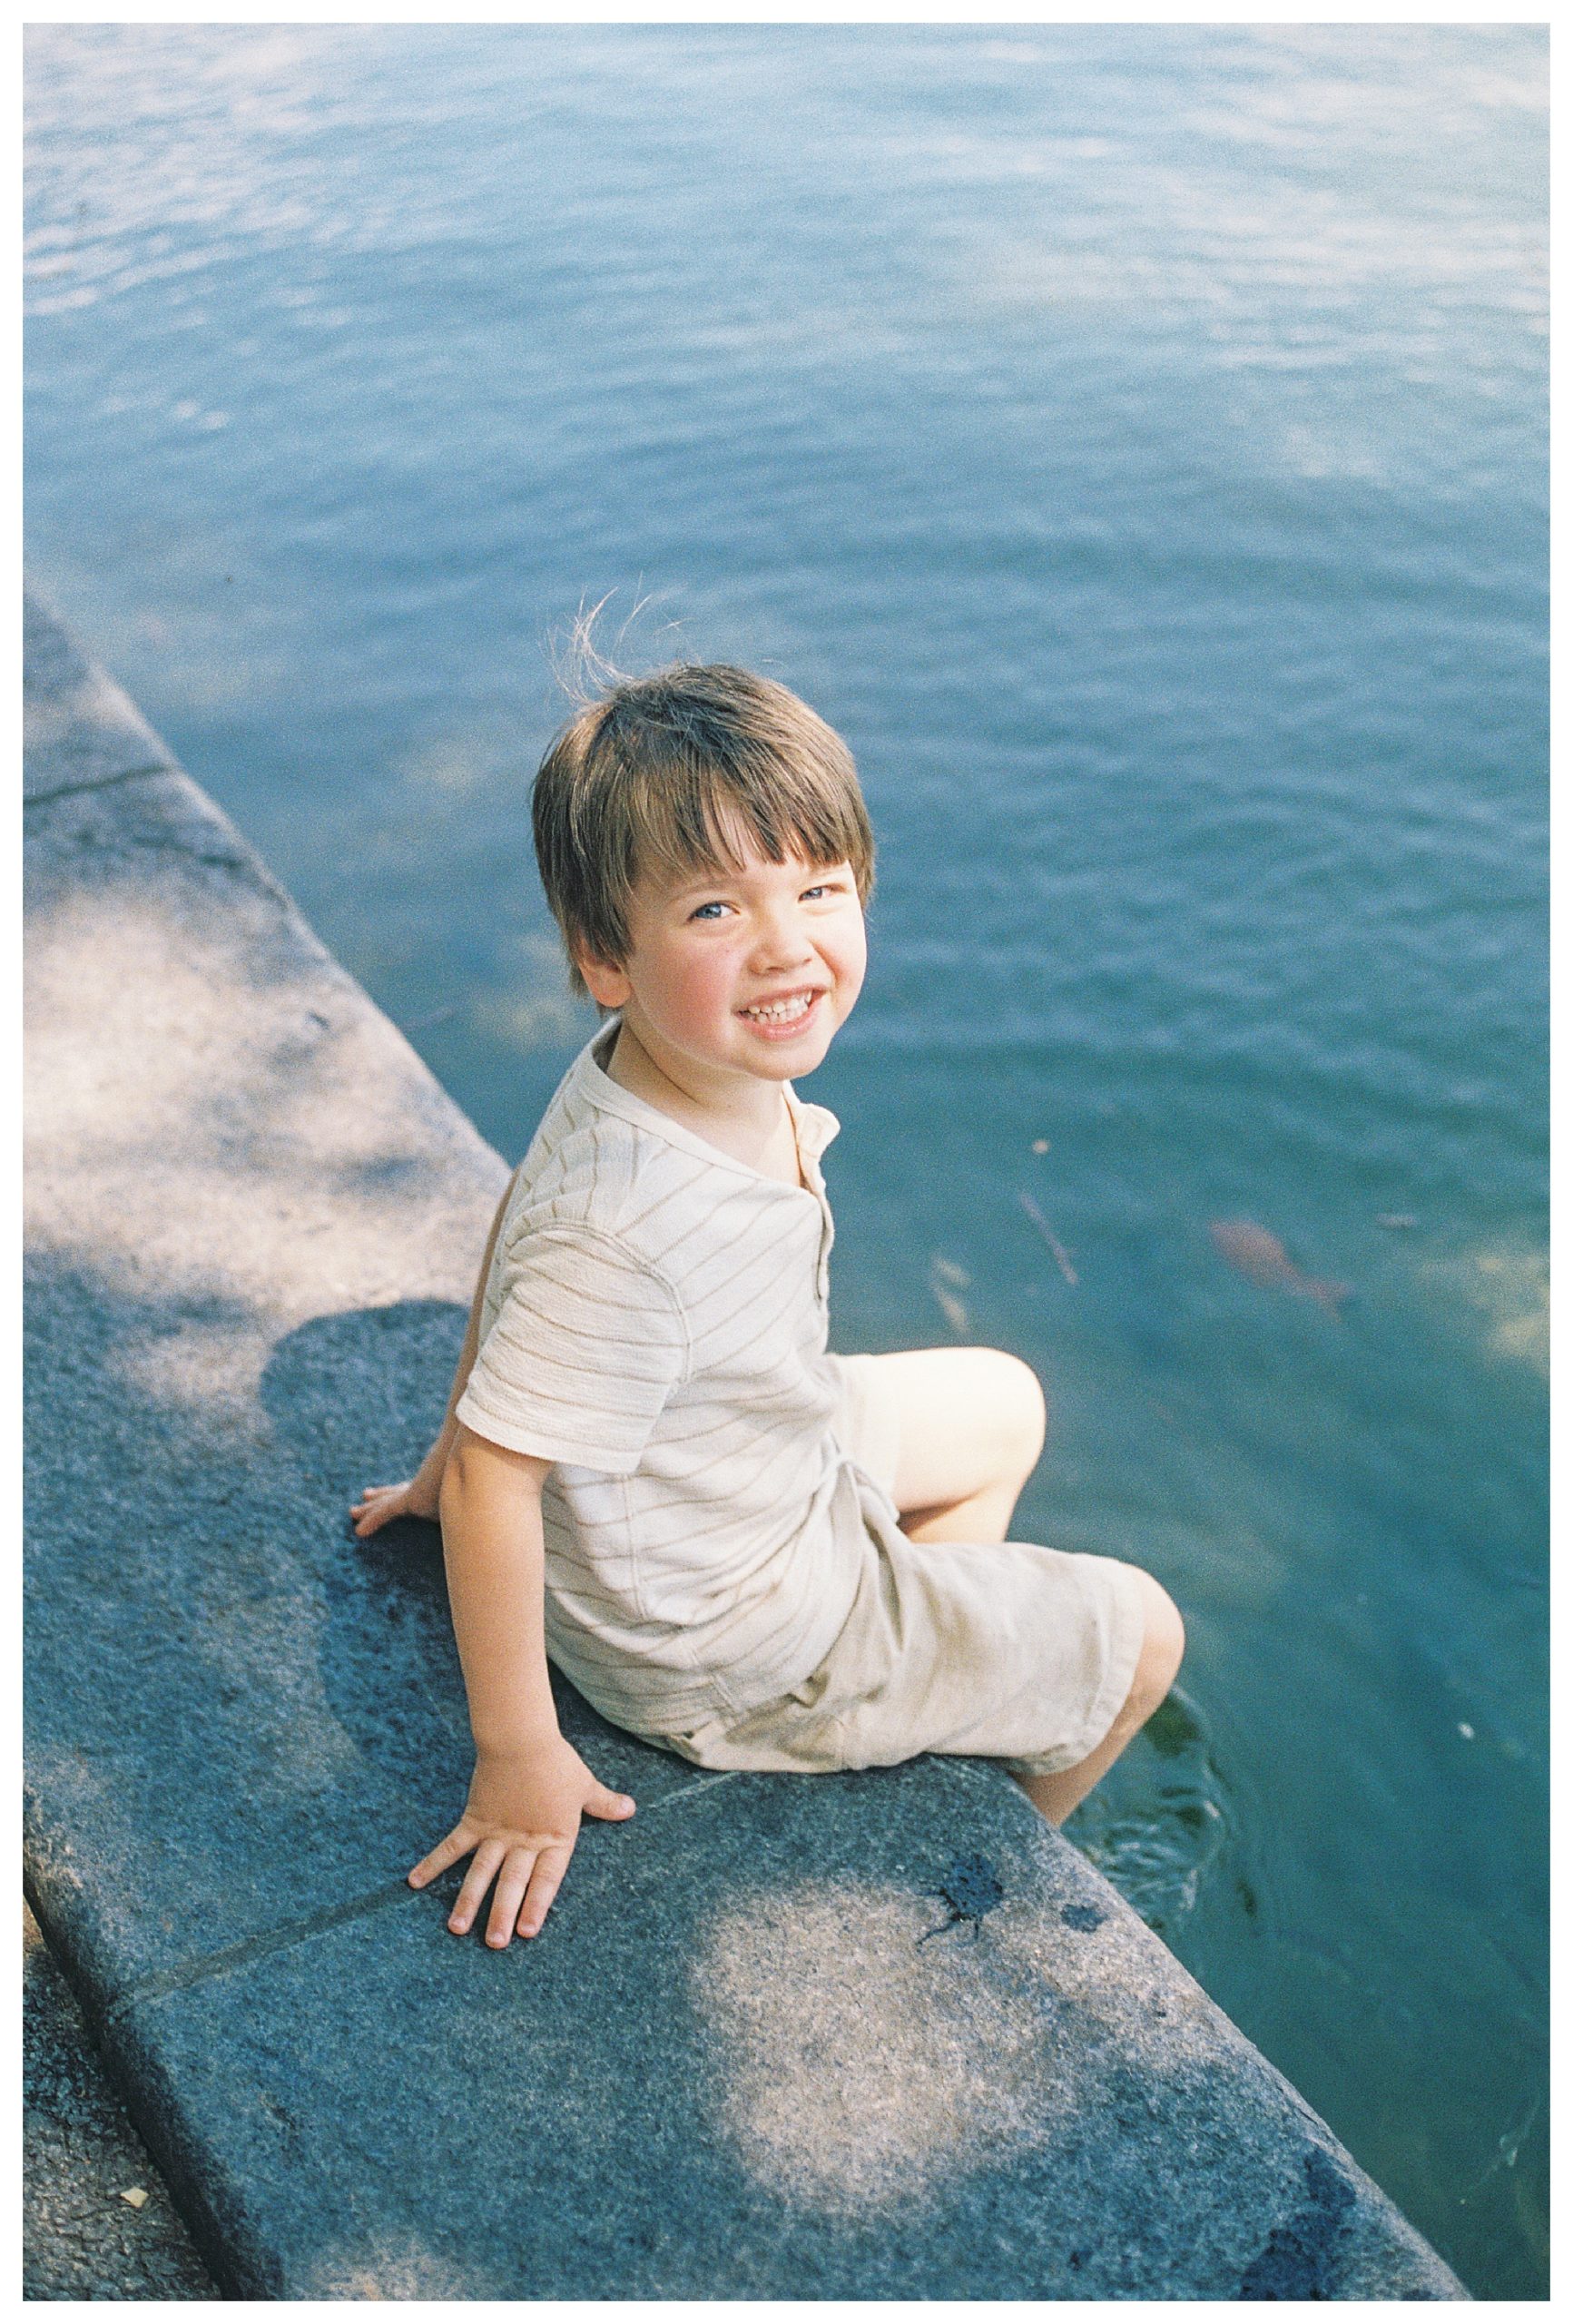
<point x="1133" y="440"/>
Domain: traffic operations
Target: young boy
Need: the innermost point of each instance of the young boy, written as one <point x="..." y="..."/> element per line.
<point x="736" y="1545"/>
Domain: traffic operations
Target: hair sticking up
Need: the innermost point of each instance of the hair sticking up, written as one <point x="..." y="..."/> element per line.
<point x="580" y="669"/>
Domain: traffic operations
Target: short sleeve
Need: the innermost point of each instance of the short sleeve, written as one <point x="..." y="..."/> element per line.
<point x="585" y="1345"/>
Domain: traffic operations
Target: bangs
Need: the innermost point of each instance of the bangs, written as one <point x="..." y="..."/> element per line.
<point x="699" y="817"/>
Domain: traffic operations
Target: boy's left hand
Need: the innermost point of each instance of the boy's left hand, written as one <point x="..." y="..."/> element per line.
<point x="519" y="1827"/>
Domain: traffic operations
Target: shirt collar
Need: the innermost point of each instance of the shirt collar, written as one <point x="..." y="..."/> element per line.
<point x="813" y="1126"/>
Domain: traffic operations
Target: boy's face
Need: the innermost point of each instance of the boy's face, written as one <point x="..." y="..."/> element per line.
<point x="748" y="973"/>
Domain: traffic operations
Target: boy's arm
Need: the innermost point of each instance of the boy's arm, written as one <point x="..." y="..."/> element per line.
<point x="418" y="1496"/>
<point x="530" y="1786"/>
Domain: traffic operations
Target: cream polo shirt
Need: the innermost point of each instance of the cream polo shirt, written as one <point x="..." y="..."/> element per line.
<point x="654" y="1324"/>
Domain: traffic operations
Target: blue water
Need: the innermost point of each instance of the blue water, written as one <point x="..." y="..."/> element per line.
<point x="1133" y="440"/>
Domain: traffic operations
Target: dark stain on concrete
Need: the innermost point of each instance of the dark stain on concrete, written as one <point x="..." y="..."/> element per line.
<point x="971" y="1887"/>
<point x="1302" y="2257"/>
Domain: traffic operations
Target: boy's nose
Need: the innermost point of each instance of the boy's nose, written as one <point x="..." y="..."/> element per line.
<point x="781" y="942"/>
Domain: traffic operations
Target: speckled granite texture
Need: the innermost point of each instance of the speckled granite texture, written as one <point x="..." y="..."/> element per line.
<point x="81" y="2239"/>
<point x="729" y="2068"/>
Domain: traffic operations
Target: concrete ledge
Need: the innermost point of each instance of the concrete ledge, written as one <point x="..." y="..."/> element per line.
<point x="728" y="2069"/>
<point x="81" y="2236"/>
<point x="81" y="729"/>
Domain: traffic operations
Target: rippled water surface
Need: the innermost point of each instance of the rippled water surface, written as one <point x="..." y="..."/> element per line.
<point x="1132" y="438"/>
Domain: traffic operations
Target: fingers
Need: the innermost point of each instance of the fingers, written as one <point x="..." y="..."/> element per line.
<point x="459" y="1842"/>
<point x="512" y="1882"/>
<point x="527" y="1867"/>
<point x="528" y="1879"/>
<point x="545" y="1882"/>
<point x="483" y="1865"/>
<point x="376" y="1505"/>
<point x="526" y="1886"/>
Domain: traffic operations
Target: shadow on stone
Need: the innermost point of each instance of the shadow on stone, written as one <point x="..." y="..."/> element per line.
<point x="237" y="1714"/>
<point x="355" y="1399"/>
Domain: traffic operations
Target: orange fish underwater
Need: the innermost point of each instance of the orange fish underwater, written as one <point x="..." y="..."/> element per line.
<point x="1261" y="1259"/>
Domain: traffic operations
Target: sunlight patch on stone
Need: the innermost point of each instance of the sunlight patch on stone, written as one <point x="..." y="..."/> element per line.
<point x="298" y="1148"/>
<point x="858" y="2087"/>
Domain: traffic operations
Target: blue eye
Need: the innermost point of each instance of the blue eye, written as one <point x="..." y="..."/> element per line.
<point x="704" y="909"/>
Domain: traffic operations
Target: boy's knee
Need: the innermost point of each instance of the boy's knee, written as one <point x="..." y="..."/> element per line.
<point x="1022" y="1412"/>
<point x="1162" y="1647"/>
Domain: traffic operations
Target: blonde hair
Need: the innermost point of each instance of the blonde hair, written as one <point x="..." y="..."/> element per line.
<point x="664" y="772"/>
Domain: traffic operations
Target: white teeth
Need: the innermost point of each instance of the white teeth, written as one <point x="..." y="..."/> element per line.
<point x="779" y="1012"/>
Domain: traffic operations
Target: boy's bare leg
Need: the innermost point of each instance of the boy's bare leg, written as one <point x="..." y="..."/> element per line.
<point x="1156" y="1669"/>
<point x="972" y="1427"/>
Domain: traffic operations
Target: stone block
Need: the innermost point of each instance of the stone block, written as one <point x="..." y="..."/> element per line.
<point x="86" y="2234"/>
<point x="79" y="727"/>
<point x="736" y="2064"/>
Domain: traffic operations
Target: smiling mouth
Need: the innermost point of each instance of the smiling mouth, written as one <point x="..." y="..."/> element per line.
<point x="792" y="1011"/>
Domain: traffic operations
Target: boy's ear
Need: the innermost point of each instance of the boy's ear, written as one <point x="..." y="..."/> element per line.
<point x="606" y="984"/>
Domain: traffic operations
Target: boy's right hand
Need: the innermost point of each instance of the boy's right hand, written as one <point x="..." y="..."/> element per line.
<point x="380" y="1505"/>
<point x="522" y="1820"/>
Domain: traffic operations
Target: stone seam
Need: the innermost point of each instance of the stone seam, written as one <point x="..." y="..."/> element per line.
<point x="101" y="783"/>
<point x="243" y="2271"/>
<point x="236" y="853"/>
<point x="183" y="1975"/>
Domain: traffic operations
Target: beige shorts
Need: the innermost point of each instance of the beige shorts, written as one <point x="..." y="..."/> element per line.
<point x="869" y="1424"/>
<point x="1001" y="1650"/>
